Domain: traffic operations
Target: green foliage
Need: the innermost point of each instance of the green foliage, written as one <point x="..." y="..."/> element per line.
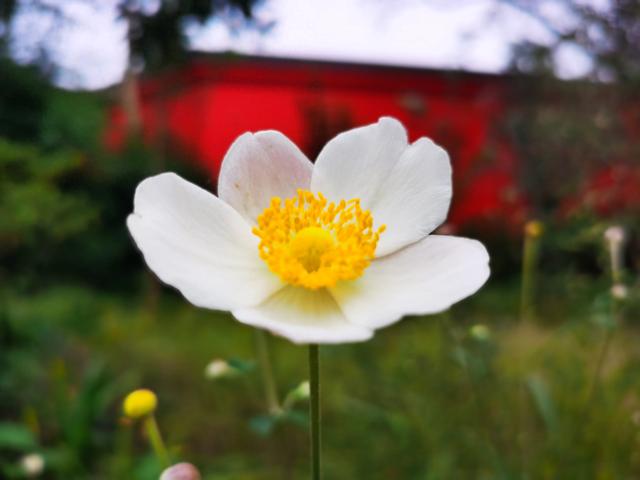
<point x="14" y="436"/>
<point x="22" y="100"/>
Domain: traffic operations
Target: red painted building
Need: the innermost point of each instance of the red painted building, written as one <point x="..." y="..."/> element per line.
<point x="202" y="107"/>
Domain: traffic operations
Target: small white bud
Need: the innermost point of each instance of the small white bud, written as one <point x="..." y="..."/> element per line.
<point x="218" y="368"/>
<point x="299" y="393"/>
<point x="32" y="465"/>
<point x="614" y="234"/>
<point x="181" y="471"/>
<point x="302" y="391"/>
<point x="619" y="291"/>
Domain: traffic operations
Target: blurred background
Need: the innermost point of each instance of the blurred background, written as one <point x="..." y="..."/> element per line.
<point x="537" y="102"/>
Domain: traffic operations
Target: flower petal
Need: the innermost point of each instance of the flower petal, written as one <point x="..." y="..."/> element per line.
<point x="198" y="244"/>
<point x="303" y="316"/>
<point x="425" y="277"/>
<point x="261" y="166"/>
<point x="415" y="197"/>
<point x="406" y="187"/>
<point x="356" y="163"/>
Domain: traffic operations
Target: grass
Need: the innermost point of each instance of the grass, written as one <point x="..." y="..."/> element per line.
<point x="425" y="399"/>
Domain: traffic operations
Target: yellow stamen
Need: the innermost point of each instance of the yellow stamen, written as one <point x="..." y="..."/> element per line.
<point x="310" y="242"/>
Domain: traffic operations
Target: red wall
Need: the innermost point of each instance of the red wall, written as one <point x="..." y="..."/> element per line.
<point x="203" y="107"/>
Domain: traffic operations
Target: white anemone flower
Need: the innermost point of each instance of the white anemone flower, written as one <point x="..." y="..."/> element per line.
<point x="324" y="253"/>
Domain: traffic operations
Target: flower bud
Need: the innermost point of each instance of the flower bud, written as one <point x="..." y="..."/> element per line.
<point x="533" y="228"/>
<point x="32" y="465"/>
<point x="140" y="403"/>
<point x="218" y="368"/>
<point x="614" y="234"/>
<point x="619" y="291"/>
<point x="181" y="471"/>
<point x="302" y="391"/>
<point x="480" y="332"/>
<point x="299" y="393"/>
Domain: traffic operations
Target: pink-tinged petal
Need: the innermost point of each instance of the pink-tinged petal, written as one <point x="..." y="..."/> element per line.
<point x="259" y="167"/>
<point x="425" y="277"/>
<point x="198" y="244"/>
<point x="303" y="316"/>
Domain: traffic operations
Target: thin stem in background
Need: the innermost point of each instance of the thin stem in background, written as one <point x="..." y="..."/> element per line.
<point x="314" y="381"/>
<point x="529" y="263"/>
<point x="485" y="433"/>
<point x="615" y="242"/>
<point x="270" y="391"/>
<point x="597" y="373"/>
<point x="155" y="438"/>
<point x="533" y="231"/>
<point x="604" y="352"/>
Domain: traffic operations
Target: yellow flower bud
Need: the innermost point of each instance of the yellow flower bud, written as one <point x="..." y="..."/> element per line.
<point x="140" y="403"/>
<point x="533" y="228"/>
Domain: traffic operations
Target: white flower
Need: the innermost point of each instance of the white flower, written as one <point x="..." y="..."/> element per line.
<point x="349" y="252"/>
<point x="32" y="464"/>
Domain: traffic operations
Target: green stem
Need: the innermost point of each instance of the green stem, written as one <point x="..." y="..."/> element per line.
<point x="530" y="257"/>
<point x="529" y="263"/>
<point x="314" y="381"/>
<point x="153" y="432"/>
<point x="270" y="391"/>
<point x="604" y="352"/>
<point x="597" y="373"/>
<point x="485" y="433"/>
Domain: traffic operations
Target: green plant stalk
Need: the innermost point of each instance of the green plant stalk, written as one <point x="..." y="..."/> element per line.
<point x="268" y="381"/>
<point x="155" y="438"/>
<point x="604" y="352"/>
<point x="314" y="382"/>
<point x="486" y="433"/>
<point x="615" y="253"/>
<point x="529" y="264"/>
<point x="616" y="277"/>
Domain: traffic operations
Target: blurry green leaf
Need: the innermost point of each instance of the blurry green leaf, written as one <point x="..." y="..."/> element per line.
<point x="263" y="424"/>
<point x="14" y="436"/>
<point x="543" y="402"/>
<point x="242" y="366"/>
<point x="296" y="417"/>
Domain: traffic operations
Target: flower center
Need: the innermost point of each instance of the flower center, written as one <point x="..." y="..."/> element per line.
<point x="309" y="245"/>
<point x="310" y="242"/>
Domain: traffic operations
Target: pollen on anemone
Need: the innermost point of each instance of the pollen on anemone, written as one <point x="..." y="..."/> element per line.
<point x="323" y="253"/>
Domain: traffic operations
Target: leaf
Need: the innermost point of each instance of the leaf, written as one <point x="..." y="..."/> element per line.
<point x="242" y="366"/>
<point x="14" y="436"/>
<point x="543" y="402"/>
<point x="263" y="424"/>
